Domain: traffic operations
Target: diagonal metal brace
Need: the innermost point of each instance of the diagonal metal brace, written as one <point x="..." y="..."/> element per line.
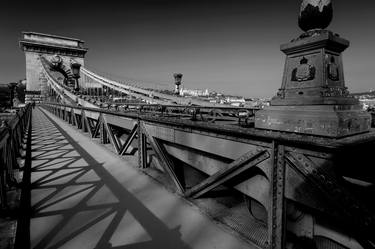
<point x="97" y="126"/>
<point x="164" y="160"/>
<point x="235" y="168"/>
<point x="129" y="140"/>
<point x="112" y="137"/>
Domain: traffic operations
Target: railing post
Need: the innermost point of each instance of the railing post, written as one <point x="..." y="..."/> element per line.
<point x="69" y="117"/>
<point x="142" y="147"/>
<point x="83" y="121"/>
<point x="64" y="111"/>
<point x="103" y="132"/>
<point x="277" y="214"/>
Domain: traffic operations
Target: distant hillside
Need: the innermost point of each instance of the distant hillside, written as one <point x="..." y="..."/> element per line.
<point x="370" y="93"/>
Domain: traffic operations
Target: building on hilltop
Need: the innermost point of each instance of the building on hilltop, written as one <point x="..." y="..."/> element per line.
<point x="194" y="92"/>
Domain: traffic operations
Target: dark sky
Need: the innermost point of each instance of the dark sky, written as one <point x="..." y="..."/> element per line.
<point x="230" y="46"/>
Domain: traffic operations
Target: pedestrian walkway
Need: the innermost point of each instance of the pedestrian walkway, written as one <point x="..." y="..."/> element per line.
<point x="84" y="196"/>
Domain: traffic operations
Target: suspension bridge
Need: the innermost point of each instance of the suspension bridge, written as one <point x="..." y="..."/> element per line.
<point x="100" y="163"/>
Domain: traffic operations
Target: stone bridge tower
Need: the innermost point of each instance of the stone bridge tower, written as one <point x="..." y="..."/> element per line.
<point x="50" y="47"/>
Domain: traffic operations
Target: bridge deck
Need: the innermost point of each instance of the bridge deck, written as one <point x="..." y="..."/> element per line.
<point x="84" y="196"/>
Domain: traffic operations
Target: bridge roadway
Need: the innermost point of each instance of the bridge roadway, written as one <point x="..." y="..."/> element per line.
<point x="84" y="196"/>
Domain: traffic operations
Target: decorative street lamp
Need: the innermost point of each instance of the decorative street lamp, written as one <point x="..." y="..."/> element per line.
<point x="177" y="79"/>
<point x="76" y="74"/>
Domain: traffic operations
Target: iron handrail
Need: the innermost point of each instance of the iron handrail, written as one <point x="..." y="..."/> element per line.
<point x="11" y="141"/>
<point x="285" y="137"/>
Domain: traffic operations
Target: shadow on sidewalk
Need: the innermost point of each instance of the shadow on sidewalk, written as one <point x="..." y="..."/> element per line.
<point x="71" y="201"/>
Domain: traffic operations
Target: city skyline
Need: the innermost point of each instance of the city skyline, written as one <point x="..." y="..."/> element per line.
<point x="230" y="47"/>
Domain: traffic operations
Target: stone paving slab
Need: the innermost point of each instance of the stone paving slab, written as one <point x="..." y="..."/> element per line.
<point x="84" y="196"/>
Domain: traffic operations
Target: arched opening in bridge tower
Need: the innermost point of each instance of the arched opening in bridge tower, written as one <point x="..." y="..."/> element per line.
<point x="62" y="76"/>
<point x="59" y="71"/>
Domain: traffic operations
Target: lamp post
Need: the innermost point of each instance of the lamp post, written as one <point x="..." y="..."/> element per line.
<point x="177" y="79"/>
<point x="76" y="74"/>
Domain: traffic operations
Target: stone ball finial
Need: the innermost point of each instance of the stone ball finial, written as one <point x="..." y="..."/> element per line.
<point x="315" y="14"/>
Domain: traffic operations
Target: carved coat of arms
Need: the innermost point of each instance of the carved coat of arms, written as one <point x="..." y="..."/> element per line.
<point x="304" y="72"/>
<point x="333" y="70"/>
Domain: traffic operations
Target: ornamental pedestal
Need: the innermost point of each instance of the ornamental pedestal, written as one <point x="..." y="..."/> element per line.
<point x="323" y="120"/>
<point x="313" y="98"/>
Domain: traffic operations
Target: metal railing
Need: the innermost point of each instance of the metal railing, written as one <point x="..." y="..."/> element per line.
<point x="12" y="142"/>
<point x="229" y="114"/>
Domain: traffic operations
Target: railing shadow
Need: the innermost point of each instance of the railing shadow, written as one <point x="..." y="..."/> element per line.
<point x="77" y="203"/>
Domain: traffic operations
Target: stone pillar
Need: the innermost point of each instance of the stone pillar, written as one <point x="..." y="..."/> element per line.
<point x="313" y="98"/>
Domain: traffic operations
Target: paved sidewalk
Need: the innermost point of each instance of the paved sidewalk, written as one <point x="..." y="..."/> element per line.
<point x="84" y="196"/>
